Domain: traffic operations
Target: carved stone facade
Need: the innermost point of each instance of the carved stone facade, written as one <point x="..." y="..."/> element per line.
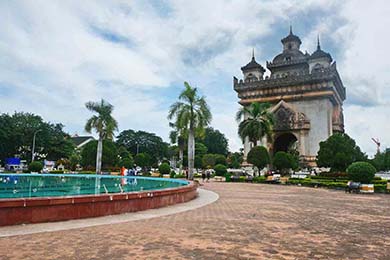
<point x="307" y="95"/>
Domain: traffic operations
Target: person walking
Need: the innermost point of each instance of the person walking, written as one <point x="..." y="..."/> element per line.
<point x="203" y="175"/>
<point x="208" y="175"/>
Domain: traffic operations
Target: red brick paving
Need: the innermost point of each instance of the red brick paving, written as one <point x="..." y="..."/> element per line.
<point x="249" y="221"/>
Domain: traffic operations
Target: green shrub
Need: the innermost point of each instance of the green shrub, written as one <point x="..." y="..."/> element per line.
<point x="220" y="159"/>
<point x="220" y="170"/>
<point x="330" y="177"/>
<point x="35" y="166"/>
<point x="172" y="174"/>
<point x="127" y="162"/>
<point x="197" y="175"/>
<point x="376" y="181"/>
<point x="259" y="157"/>
<point x="164" y="168"/>
<point x="259" y="179"/>
<point x="380" y="188"/>
<point x="334" y="174"/>
<point x="361" y="172"/>
<point x="57" y="171"/>
<point x="228" y="177"/>
<point x="181" y="176"/>
<point x="87" y="172"/>
<point x="282" y="161"/>
<point x="146" y="174"/>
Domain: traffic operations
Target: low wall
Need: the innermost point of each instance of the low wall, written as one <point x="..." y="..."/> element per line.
<point x="35" y="210"/>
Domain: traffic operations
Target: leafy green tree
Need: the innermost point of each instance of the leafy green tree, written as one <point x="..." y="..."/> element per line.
<point x="362" y="172"/>
<point x="104" y="125"/>
<point x="198" y="161"/>
<point x="200" y="149"/>
<point x="208" y="161"/>
<point x="258" y="122"/>
<point x="220" y="159"/>
<point x="59" y="144"/>
<point x="178" y="136"/>
<point x="190" y="113"/>
<point x="164" y="168"/>
<point x="294" y="159"/>
<point x="259" y="157"/>
<point x="381" y="161"/>
<point x="123" y="152"/>
<point x="127" y="162"/>
<point x="173" y="151"/>
<point x="143" y="160"/>
<point x="74" y="160"/>
<point x="143" y="142"/>
<point x="35" y="166"/>
<point x="16" y="135"/>
<point x="339" y="151"/>
<point x="109" y="157"/>
<point x="235" y="159"/>
<point x="282" y="161"/>
<point x="215" y="141"/>
<point x="220" y="170"/>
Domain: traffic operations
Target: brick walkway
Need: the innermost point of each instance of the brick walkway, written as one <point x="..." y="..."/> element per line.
<point x="249" y="221"/>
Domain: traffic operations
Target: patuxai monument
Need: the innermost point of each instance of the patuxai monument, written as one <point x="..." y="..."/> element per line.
<point x="306" y="93"/>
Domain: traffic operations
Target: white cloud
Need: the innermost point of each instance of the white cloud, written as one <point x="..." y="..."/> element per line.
<point x="56" y="55"/>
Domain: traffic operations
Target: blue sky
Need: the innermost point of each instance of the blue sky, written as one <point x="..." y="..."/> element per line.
<point x="57" y="55"/>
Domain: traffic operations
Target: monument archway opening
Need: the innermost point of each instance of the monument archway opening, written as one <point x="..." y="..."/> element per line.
<point x="284" y="142"/>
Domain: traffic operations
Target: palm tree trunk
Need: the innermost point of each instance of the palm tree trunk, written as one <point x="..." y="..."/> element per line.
<point x="99" y="156"/>
<point x="191" y="153"/>
<point x="181" y="155"/>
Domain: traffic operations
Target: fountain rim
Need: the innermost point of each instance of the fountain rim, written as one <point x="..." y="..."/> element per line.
<point x="76" y="175"/>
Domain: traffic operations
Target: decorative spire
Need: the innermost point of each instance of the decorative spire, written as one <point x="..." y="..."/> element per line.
<point x="318" y="42"/>
<point x="291" y="29"/>
<point x="253" y="53"/>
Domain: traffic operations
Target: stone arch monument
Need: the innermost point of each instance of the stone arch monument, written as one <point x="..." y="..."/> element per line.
<point x="306" y="93"/>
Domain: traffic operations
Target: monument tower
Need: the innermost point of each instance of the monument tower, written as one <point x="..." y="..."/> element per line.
<point x="306" y="93"/>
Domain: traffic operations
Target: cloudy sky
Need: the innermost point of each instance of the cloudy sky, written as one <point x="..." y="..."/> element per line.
<point x="57" y="55"/>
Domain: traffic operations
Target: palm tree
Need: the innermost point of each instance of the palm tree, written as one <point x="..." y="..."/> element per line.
<point x="178" y="136"/>
<point x="191" y="114"/>
<point x="104" y="125"/>
<point x="255" y="122"/>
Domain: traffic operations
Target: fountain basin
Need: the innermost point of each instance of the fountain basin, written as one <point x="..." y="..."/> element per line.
<point x="77" y="200"/>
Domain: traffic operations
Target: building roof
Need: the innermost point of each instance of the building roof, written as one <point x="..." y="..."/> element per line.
<point x="291" y="38"/>
<point x="79" y="140"/>
<point x="289" y="55"/>
<point x="253" y="65"/>
<point x="320" y="53"/>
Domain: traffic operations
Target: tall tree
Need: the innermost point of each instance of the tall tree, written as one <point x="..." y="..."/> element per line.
<point x="16" y="136"/>
<point x="191" y="112"/>
<point x="338" y="152"/>
<point x="145" y="142"/>
<point x="215" y="141"/>
<point x="259" y="157"/>
<point x="104" y="125"/>
<point x="381" y="161"/>
<point x="178" y="136"/>
<point x="235" y="159"/>
<point x="255" y="122"/>
<point x="110" y="154"/>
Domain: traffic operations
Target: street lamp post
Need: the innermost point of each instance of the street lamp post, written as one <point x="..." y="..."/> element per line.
<point x="33" y="146"/>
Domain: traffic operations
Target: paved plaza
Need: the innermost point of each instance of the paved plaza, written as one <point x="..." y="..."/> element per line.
<point x="249" y="221"/>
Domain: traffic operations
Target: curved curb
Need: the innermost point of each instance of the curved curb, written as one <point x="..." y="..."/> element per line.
<point x="204" y="198"/>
